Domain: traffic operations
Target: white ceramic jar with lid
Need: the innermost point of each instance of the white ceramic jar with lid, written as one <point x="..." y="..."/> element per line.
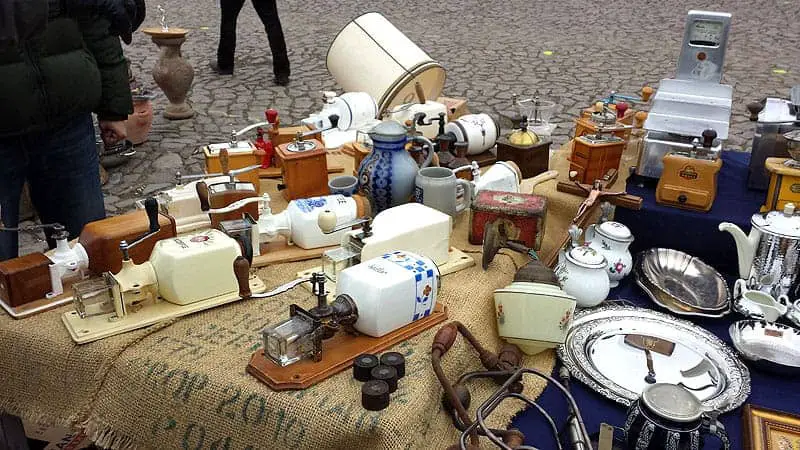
<point x="581" y="270"/>
<point x="612" y="240"/>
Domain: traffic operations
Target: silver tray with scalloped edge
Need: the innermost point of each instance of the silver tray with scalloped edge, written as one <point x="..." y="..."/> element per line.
<point x="599" y="353"/>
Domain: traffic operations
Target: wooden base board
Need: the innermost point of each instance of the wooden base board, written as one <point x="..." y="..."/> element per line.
<point x="337" y="355"/>
<point x="41" y="305"/>
<point x="457" y="260"/>
<point x="486" y="158"/>
<point x="280" y="252"/>
<point x="95" y="328"/>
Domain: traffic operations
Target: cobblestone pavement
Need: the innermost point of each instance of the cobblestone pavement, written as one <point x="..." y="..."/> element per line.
<point x="572" y="51"/>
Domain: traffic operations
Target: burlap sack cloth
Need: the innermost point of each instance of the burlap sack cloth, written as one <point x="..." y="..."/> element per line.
<point x="183" y="384"/>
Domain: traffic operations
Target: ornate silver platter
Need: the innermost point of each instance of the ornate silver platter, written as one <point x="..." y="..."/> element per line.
<point x="618" y="350"/>
<point x="686" y="279"/>
<point x="668" y="302"/>
<point x="769" y="346"/>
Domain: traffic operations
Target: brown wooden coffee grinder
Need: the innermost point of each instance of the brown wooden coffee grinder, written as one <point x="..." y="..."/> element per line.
<point x="689" y="179"/>
<point x="593" y="155"/>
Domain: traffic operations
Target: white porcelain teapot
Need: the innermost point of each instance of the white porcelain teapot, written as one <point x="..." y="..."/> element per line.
<point x="581" y="270"/>
<point x="612" y="239"/>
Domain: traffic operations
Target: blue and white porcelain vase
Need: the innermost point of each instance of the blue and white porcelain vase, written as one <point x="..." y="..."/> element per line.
<point x="386" y="176"/>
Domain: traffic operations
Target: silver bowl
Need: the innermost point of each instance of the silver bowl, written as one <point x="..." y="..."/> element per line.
<point x="686" y="279"/>
<point x="668" y="302"/>
<point x="770" y="346"/>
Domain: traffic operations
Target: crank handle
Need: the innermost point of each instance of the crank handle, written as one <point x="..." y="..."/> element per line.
<point x="326" y="221"/>
<point x="264" y="199"/>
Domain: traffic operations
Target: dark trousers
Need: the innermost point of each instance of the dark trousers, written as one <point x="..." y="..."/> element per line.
<point x="62" y="169"/>
<point x="268" y="12"/>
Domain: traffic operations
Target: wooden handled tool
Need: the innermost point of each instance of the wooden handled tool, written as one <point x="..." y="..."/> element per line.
<point x="223" y="160"/>
<point x="420" y="92"/>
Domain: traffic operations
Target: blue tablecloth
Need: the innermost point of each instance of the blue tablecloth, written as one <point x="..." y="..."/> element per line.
<point x="697" y="234"/>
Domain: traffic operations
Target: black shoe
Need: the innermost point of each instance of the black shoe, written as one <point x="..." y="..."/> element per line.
<point x="219" y="71"/>
<point x="281" y="80"/>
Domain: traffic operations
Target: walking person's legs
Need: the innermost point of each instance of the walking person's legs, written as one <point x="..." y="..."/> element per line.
<point x="229" y="12"/>
<point x="268" y="12"/>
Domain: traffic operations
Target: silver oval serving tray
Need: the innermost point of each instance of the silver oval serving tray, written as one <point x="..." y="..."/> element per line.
<point x="668" y="302"/>
<point x="769" y="346"/>
<point x="607" y="349"/>
<point x="686" y="279"/>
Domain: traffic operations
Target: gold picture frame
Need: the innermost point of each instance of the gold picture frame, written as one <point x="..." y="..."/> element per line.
<point x="767" y="429"/>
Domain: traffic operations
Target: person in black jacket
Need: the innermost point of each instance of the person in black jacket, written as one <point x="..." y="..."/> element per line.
<point x="268" y="13"/>
<point x="60" y="60"/>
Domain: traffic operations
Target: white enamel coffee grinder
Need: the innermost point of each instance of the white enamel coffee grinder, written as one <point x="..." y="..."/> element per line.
<point x="695" y="100"/>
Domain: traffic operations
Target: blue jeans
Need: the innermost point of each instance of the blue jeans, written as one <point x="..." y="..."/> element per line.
<point x="62" y="170"/>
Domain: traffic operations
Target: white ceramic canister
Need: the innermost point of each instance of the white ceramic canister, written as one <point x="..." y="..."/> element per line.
<point x="612" y="240"/>
<point x="371" y="55"/>
<point x="299" y="221"/>
<point x="503" y="176"/>
<point x="479" y="131"/>
<point x="353" y="108"/>
<point x="390" y="291"/>
<point x="431" y="109"/>
<point x="582" y="273"/>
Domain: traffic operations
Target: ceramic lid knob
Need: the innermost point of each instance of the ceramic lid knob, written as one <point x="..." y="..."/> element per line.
<point x="327" y="221"/>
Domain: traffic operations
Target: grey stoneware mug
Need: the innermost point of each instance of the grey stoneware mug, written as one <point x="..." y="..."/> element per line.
<point x="346" y="185"/>
<point x="438" y="188"/>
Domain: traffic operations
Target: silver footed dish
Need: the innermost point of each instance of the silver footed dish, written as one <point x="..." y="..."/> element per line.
<point x="686" y="280"/>
<point x="668" y="302"/>
<point x="768" y="346"/>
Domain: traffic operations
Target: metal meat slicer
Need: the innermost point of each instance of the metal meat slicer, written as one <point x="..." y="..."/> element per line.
<point x="695" y="100"/>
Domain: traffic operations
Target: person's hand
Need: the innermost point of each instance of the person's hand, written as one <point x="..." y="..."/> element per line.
<point x="112" y="131"/>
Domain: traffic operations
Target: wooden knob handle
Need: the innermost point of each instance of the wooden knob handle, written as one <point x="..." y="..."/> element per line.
<point x="223" y="160"/>
<point x="510" y="354"/>
<point x="241" y="269"/>
<point x="202" y="193"/>
<point x="444" y="338"/>
<point x="647" y="92"/>
<point x="513" y="438"/>
<point x="420" y="92"/>
<point x="639" y="118"/>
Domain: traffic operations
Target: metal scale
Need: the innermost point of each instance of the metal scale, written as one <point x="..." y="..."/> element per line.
<point x="695" y="100"/>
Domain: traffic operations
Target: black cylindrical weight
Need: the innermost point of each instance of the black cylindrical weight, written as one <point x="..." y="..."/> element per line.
<point x="375" y="395"/>
<point x="387" y="374"/>
<point x="363" y="365"/>
<point x="396" y="360"/>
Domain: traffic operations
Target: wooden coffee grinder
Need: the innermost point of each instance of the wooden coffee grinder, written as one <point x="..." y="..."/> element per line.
<point x="784" y="182"/>
<point x="595" y="154"/>
<point x="529" y="151"/>
<point x="304" y="164"/>
<point x="689" y="180"/>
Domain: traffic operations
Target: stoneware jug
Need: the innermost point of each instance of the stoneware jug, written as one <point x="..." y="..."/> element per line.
<point x="612" y="239"/>
<point x="670" y="417"/>
<point x="581" y="270"/>
<point x="387" y="174"/>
